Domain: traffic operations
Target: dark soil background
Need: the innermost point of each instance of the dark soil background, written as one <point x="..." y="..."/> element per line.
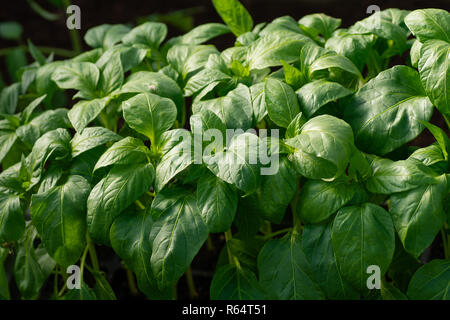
<point x="96" y="12"/>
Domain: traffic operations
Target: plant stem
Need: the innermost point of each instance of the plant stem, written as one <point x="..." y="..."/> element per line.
<point x="131" y="283"/>
<point x="445" y="244"/>
<point x="209" y="244"/>
<point x="140" y="205"/>
<point x="447" y="120"/>
<point x="191" y="285"/>
<point x="297" y="225"/>
<point x="92" y="253"/>
<point x="276" y="233"/>
<point x="228" y="237"/>
<point x="74" y="34"/>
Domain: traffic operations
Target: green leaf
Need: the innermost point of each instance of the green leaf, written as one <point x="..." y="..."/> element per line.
<point x="118" y="190"/>
<point x="235" y="283"/>
<point x="82" y="76"/>
<point x="130" y="240"/>
<point x="59" y="216"/>
<point x="440" y="136"/>
<point x="84" y="112"/>
<point x="431" y="281"/>
<point x="6" y="143"/>
<point x="277" y="191"/>
<point x="105" y="35"/>
<point x="150" y="115"/>
<point x="12" y="219"/>
<point x="418" y="215"/>
<point x="84" y="293"/>
<point x="176" y="155"/>
<point x="248" y="218"/>
<point x="398" y="176"/>
<point x="177" y="234"/>
<point x="32" y="266"/>
<point x="201" y="34"/>
<point x="239" y="164"/>
<point x="234" y="14"/>
<point x="429" y="24"/>
<point x="9" y="98"/>
<point x="281" y="102"/>
<point x="314" y="95"/>
<point x="217" y="202"/>
<point x="90" y="138"/>
<point x="102" y="288"/>
<point x="323" y="148"/>
<point x="291" y="276"/>
<point x="390" y="292"/>
<point x="434" y="72"/>
<point x="127" y="151"/>
<point x="111" y="75"/>
<point x="320" y="199"/>
<point x="295" y="127"/>
<point x="147" y="35"/>
<point x="320" y="24"/>
<point x="362" y="236"/>
<point x="36" y="54"/>
<point x="384" y="113"/>
<point x="318" y="250"/>
<point x="272" y="48"/>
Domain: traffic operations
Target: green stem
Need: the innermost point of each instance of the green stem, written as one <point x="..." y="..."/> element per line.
<point x="131" y="283"/>
<point x="228" y="237"/>
<point x="191" y="285"/>
<point x="445" y="244"/>
<point x="276" y="233"/>
<point x="47" y="50"/>
<point x="83" y="261"/>
<point x="92" y="253"/>
<point x="209" y="244"/>
<point x="74" y="34"/>
<point x="140" y="205"/>
<point x="447" y="120"/>
<point x="297" y="225"/>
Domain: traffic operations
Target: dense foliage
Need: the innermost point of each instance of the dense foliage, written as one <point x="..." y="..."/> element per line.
<point x="350" y="191"/>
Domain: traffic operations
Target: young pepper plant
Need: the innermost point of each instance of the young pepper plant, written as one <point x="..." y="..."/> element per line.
<point x="348" y="213"/>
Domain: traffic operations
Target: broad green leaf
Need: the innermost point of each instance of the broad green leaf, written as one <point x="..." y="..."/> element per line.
<point x="431" y="156"/>
<point x="111" y="76"/>
<point x="130" y="57"/>
<point x="314" y="95"/>
<point x="202" y="34"/>
<point x="434" y="72"/>
<point x="127" y="151"/>
<point x="84" y="293"/>
<point x="130" y="240"/>
<point x="150" y="115"/>
<point x="321" y="24"/>
<point x="43" y="123"/>
<point x="390" y="292"/>
<point x="418" y="215"/>
<point x="28" y="111"/>
<point x="281" y="102"/>
<point x="177" y="234"/>
<point x="323" y="148"/>
<point x="235" y="109"/>
<point x="429" y="24"/>
<point x="12" y="219"/>
<point x="90" y="138"/>
<point x="59" y="216"/>
<point x="6" y="143"/>
<point x="240" y="163"/>
<point x="355" y="47"/>
<point x="84" y="112"/>
<point x="248" y="219"/>
<point x="122" y="186"/>
<point x="295" y="127"/>
<point x="234" y="14"/>
<point x="284" y="271"/>
<point x="159" y="84"/>
<point x="147" y="35"/>
<point x="277" y="191"/>
<point x="105" y="35"/>
<point x="431" y="281"/>
<point x="292" y="76"/>
<point x="235" y="283"/>
<point x="176" y="155"/>
<point x="217" y="202"/>
<point x="82" y="76"/>
<point x="384" y="113"/>
<point x="32" y="266"/>
<point x="8" y="98"/>
<point x="362" y="236"/>
<point x="399" y="176"/>
<point x="102" y="288"/>
<point x="270" y="49"/>
<point x="316" y="242"/>
<point x="440" y="136"/>
<point x="84" y="165"/>
<point x="320" y="199"/>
